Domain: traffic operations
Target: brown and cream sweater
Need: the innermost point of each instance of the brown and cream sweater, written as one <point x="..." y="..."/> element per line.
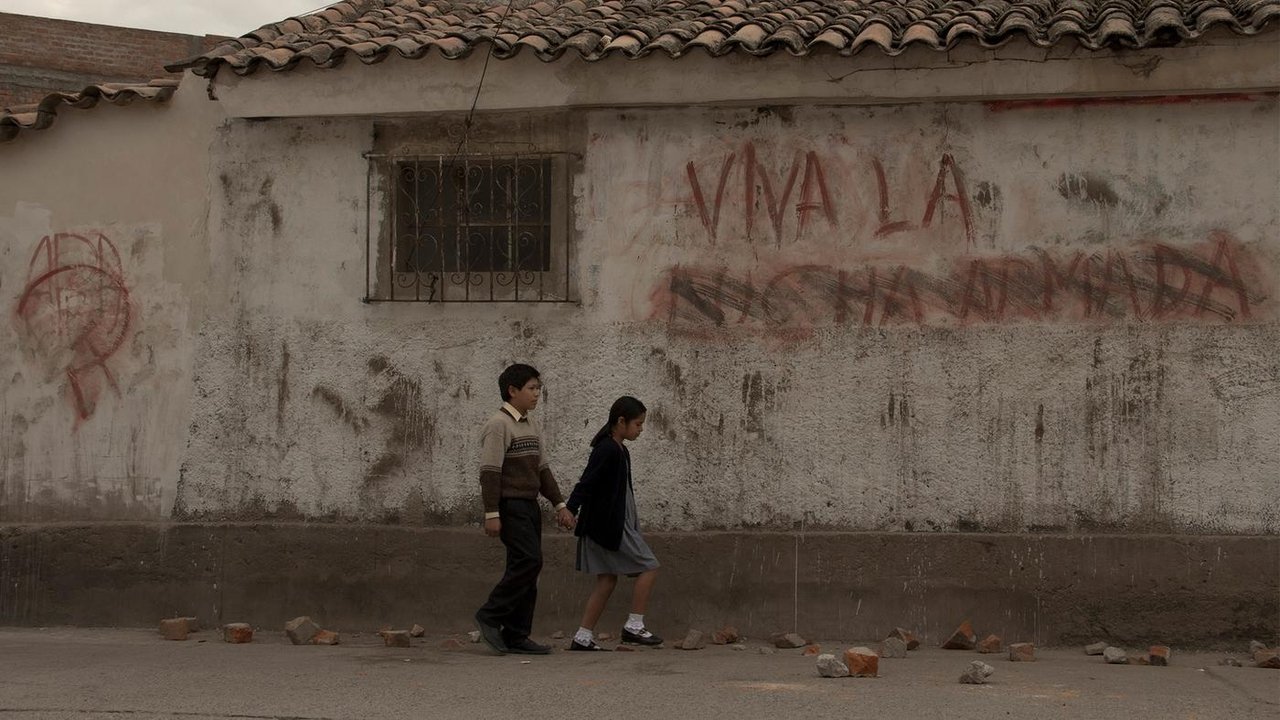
<point x="511" y="461"/>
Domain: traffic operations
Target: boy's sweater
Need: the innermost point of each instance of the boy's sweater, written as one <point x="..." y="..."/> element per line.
<point x="511" y="461"/>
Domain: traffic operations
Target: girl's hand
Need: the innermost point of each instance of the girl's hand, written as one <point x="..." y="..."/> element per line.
<point x="566" y="519"/>
<point x="493" y="527"/>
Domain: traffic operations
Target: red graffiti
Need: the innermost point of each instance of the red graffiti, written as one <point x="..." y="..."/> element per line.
<point x="776" y="194"/>
<point x="75" y="309"/>
<point x="1148" y="283"/>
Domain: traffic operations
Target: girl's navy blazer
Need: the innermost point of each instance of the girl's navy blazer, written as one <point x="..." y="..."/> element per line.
<point x="600" y="497"/>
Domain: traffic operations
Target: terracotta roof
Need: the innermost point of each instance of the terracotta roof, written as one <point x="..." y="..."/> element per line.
<point x="372" y="29"/>
<point x="41" y="115"/>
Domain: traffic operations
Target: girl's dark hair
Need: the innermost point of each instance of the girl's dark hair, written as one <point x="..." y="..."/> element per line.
<point x="625" y="407"/>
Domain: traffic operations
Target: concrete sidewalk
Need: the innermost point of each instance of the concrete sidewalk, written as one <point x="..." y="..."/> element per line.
<point x="78" y="673"/>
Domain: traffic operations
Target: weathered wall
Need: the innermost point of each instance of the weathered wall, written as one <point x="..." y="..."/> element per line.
<point x="102" y="268"/>
<point x="935" y="317"/>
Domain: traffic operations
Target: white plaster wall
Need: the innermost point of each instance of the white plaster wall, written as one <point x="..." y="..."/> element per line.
<point x="132" y="182"/>
<point x="310" y="404"/>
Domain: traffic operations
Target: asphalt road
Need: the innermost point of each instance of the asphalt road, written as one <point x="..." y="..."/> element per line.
<point x="48" y="674"/>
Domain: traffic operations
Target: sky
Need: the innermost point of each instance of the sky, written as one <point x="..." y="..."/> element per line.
<point x="191" y="17"/>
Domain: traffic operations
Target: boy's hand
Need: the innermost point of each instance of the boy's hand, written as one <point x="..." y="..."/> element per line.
<point x="493" y="527"/>
<point x="566" y="518"/>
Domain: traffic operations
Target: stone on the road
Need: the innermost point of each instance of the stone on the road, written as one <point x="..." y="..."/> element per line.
<point x="1230" y="662"/>
<point x="557" y="635"/>
<point x="395" y="638"/>
<point x="1158" y="655"/>
<point x="1269" y="659"/>
<point x="1022" y="652"/>
<point x="193" y="623"/>
<point x="418" y="631"/>
<point x="301" y="630"/>
<point x="862" y="662"/>
<point x="693" y="640"/>
<point x="892" y="647"/>
<point x="977" y="673"/>
<point x="1095" y="649"/>
<point x="174" y="629"/>
<point x="325" y="637"/>
<point x="474" y="636"/>
<point x="831" y="667"/>
<point x="906" y="636"/>
<point x="1255" y="646"/>
<point x="237" y="633"/>
<point x="789" y="640"/>
<point x="990" y="644"/>
<point x="1115" y="656"/>
<point x="812" y="650"/>
<point x="766" y="650"/>
<point x="962" y="639"/>
<point x="726" y="635"/>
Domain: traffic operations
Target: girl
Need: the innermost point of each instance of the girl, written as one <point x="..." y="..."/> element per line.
<point x="609" y="540"/>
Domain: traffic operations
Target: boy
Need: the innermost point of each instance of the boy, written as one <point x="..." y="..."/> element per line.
<point x="512" y="475"/>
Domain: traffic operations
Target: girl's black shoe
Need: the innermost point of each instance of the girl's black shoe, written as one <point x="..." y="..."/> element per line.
<point x="640" y="637"/>
<point x="589" y="647"/>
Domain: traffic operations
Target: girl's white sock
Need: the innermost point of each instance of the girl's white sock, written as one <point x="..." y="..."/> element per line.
<point x="584" y="636"/>
<point x="634" y="622"/>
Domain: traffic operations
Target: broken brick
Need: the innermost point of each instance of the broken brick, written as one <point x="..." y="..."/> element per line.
<point x="977" y="673"/>
<point x="789" y="640"/>
<point x="1267" y="659"/>
<point x="325" y="637"/>
<point x="193" y="624"/>
<point x="237" y="633"/>
<point x="726" y="635"/>
<point x="1255" y="646"/>
<point x="451" y="644"/>
<point x="418" y="631"/>
<point x="395" y="638"/>
<point x="990" y="644"/>
<point x="301" y="630"/>
<point x="174" y="629"/>
<point x="907" y="637"/>
<point x="892" y="647"/>
<point x="1095" y="648"/>
<point x="962" y="639"/>
<point x="474" y="636"/>
<point x="1115" y="656"/>
<point x="1158" y="655"/>
<point x="812" y="650"/>
<point x="1139" y="660"/>
<point x="1022" y="652"/>
<point x="862" y="662"/>
<point x="830" y="667"/>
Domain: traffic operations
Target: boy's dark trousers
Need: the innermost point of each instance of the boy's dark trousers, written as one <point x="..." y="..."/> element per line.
<point x="511" y="603"/>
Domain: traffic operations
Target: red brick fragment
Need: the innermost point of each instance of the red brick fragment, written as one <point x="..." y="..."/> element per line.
<point x="862" y="662"/>
<point x="1158" y="655"/>
<point x="1022" y="652"/>
<point x="325" y="637"/>
<point x="812" y="650"/>
<point x="395" y="638"/>
<point x="907" y="637"/>
<point x="174" y="629"/>
<point x="990" y="644"/>
<point x="1267" y="659"/>
<point x="962" y="639"/>
<point x="726" y="635"/>
<point x="237" y="633"/>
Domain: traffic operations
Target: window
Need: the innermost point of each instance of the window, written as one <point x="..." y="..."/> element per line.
<point x="476" y="229"/>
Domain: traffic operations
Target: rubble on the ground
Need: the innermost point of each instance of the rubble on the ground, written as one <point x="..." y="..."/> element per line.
<point x="174" y="629"/>
<point x="862" y="662"/>
<point x="1095" y="648"/>
<point x="726" y="635"/>
<point x="962" y="639"/>
<point x="907" y="637"/>
<point x="325" y="637"/>
<point x="892" y="647"/>
<point x="301" y="630"/>
<point x="1115" y="656"/>
<point x="395" y="638"/>
<point x="789" y="640"/>
<point x="977" y="673"/>
<point x="418" y="631"/>
<point x="990" y="644"/>
<point x="831" y="667"/>
<point x="812" y="650"/>
<point x="474" y="636"/>
<point x="693" y="640"/>
<point x="1022" y="652"/>
<point x="1158" y="655"/>
<point x="237" y="633"/>
<point x="1269" y="659"/>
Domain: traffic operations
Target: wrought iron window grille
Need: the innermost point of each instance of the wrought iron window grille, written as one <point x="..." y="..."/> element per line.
<point x="472" y="228"/>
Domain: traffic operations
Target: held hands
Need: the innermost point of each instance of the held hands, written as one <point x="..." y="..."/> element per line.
<point x="566" y="519"/>
<point x="493" y="527"/>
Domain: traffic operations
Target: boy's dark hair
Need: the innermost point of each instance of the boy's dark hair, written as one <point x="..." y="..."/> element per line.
<point x="515" y="376"/>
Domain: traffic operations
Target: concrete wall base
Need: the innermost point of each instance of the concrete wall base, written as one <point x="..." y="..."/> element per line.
<point x="1051" y="589"/>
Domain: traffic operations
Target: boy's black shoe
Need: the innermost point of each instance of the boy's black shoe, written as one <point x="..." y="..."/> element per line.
<point x="642" y="637"/>
<point x="528" y="647"/>
<point x="492" y="636"/>
<point x="588" y="647"/>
